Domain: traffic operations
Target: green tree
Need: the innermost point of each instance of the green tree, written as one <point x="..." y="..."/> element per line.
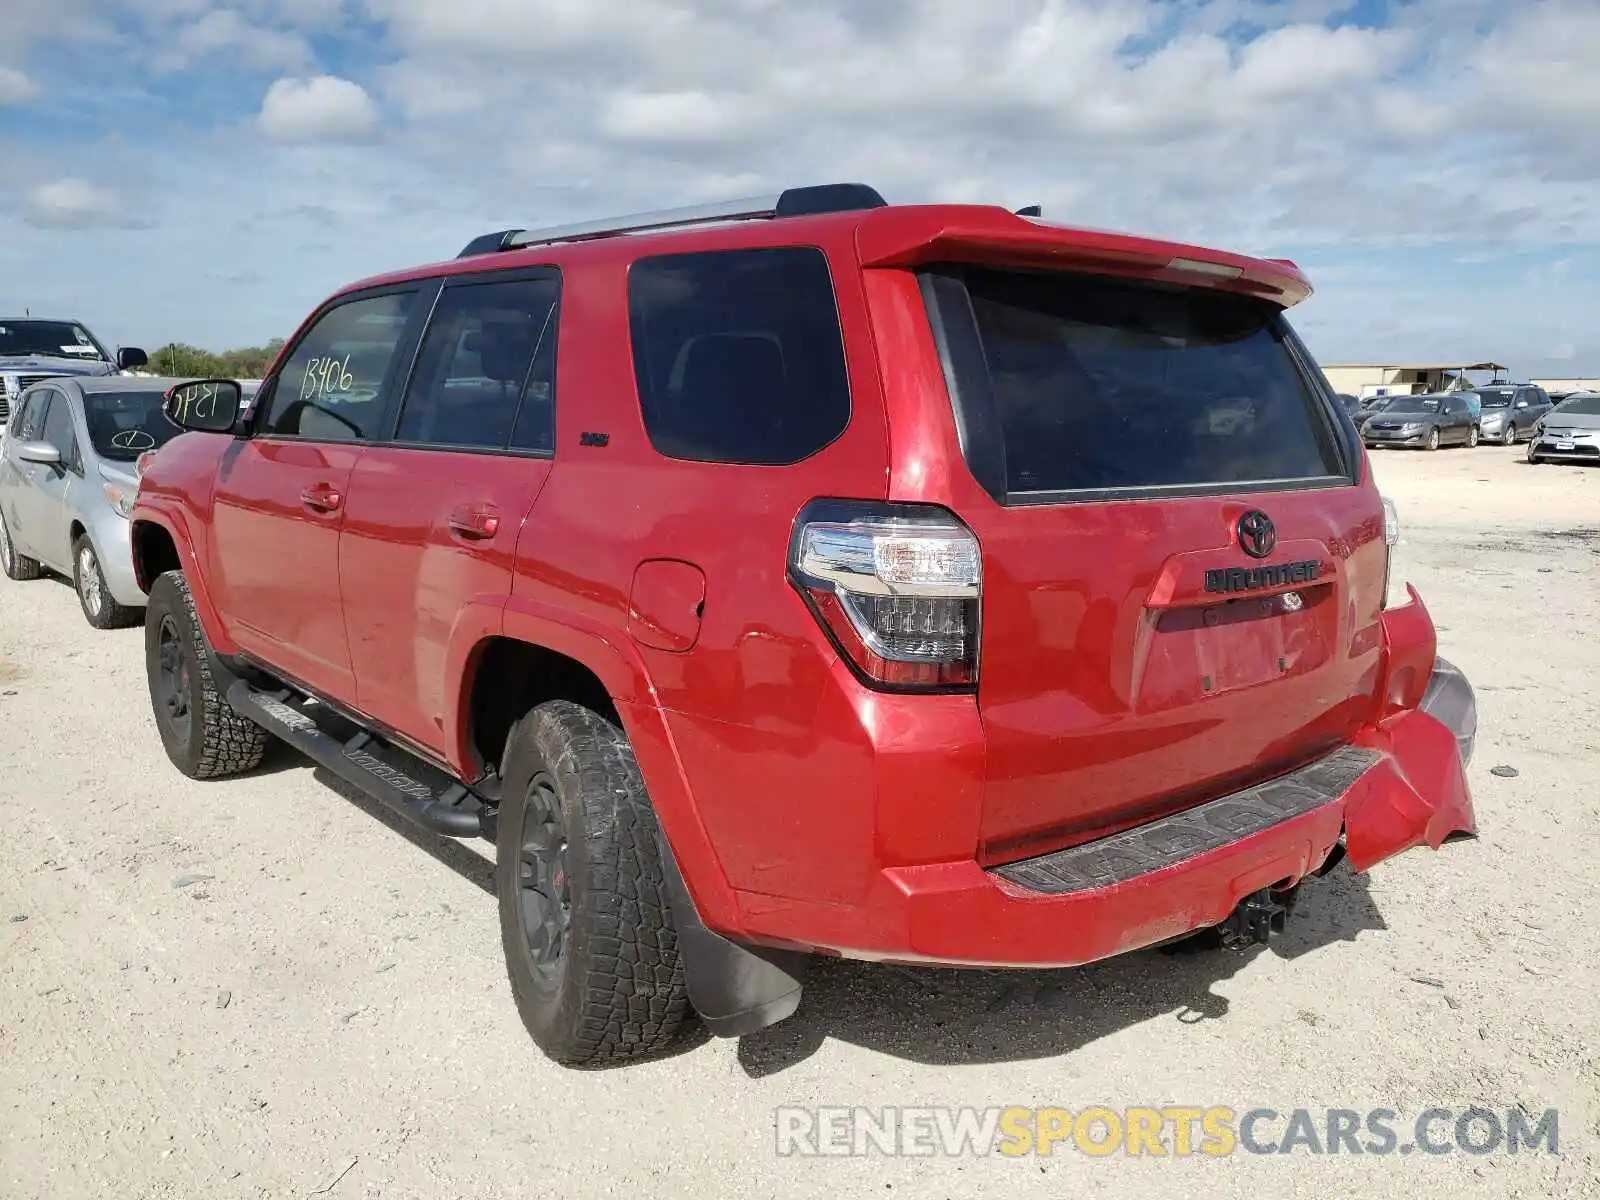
<point x="250" y="362"/>
<point x="178" y="358"/>
<point x="244" y="362"/>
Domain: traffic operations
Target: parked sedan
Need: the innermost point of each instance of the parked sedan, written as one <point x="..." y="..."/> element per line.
<point x="1428" y="421"/>
<point x="1571" y="431"/>
<point x="1510" y="411"/>
<point x="67" y="484"/>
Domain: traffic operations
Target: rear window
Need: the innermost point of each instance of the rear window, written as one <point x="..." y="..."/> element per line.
<point x="738" y="354"/>
<point x="1100" y="385"/>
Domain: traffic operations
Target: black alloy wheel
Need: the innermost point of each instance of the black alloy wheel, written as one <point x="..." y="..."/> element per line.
<point x="544" y="888"/>
<point x="174" y="684"/>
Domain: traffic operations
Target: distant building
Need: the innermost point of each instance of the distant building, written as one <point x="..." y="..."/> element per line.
<point x="1555" y="386"/>
<point x="1404" y="379"/>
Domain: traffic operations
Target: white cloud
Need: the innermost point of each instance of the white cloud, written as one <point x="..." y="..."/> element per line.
<point x="323" y="108"/>
<point x="1461" y="131"/>
<point x="225" y="36"/>
<point x="73" y="203"/>
<point x="15" y="87"/>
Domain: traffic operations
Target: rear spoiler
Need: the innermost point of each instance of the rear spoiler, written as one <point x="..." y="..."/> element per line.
<point x="924" y="235"/>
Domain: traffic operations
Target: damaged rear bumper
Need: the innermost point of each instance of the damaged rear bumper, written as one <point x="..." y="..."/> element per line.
<point x="1401" y="784"/>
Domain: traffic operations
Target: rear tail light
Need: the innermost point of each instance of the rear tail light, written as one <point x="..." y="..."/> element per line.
<point x="897" y="587"/>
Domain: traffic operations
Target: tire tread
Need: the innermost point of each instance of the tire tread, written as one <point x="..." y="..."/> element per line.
<point x="229" y="743"/>
<point x="17" y="566"/>
<point x="112" y="615"/>
<point x="632" y="995"/>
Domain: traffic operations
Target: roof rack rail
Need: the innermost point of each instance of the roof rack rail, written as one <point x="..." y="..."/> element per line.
<point x="793" y="202"/>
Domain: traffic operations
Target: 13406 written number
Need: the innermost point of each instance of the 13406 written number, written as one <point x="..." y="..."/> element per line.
<point x="326" y="375"/>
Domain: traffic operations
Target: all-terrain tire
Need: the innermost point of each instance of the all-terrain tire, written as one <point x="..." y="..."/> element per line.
<point x="616" y="990"/>
<point x="100" y="608"/>
<point x="16" y="566"/>
<point x="212" y="741"/>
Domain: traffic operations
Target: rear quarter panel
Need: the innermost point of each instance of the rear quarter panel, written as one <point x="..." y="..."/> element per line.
<point x="773" y="784"/>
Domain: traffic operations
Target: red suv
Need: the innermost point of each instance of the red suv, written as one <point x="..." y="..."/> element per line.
<point x="811" y="576"/>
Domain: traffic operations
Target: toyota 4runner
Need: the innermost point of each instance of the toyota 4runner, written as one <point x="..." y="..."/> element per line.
<point x="930" y="584"/>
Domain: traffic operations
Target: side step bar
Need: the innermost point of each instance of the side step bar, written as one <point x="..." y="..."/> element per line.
<point x="383" y="772"/>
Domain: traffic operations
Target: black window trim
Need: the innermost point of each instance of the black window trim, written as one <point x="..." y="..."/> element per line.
<point x="955" y="332"/>
<point x="391" y="422"/>
<point x="405" y="349"/>
<point x="838" y="319"/>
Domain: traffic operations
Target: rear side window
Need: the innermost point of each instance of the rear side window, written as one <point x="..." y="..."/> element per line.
<point x="738" y="354"/>
<point x="331" y="389"/>
<point x="1098" y="385"/>
<point x="487" y="368"/>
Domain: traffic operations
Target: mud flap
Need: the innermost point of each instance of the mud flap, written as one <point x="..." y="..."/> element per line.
<point x="735" y="989"/>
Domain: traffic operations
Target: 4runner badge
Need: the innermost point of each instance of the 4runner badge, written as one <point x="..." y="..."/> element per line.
<point x="1240" y="579"/>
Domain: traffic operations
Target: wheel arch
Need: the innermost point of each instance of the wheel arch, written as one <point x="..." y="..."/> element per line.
<point x="160" y="544"/>
<point x="533" y="654"/>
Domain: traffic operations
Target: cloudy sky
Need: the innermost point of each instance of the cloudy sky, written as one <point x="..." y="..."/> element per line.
<point x="208" y="170"/>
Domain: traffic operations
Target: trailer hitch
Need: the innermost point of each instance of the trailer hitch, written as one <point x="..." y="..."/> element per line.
<point x="1259" y="916"/>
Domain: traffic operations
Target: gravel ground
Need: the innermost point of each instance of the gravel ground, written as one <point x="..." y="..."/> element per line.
<point x="266" y="988"/>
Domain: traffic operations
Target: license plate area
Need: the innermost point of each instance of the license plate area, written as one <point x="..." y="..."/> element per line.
<point x="1200" y="651"/>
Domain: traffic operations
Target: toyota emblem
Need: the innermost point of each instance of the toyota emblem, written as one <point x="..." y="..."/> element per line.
<point x="1257" y="537"/>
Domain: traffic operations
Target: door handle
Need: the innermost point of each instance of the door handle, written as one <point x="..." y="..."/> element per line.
<point x="322" y="497"/>
<point x="477" y="521"/>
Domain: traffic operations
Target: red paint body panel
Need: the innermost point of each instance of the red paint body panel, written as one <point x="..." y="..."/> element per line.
<point x="407" y="575"/>
<point x="179" y="501"/>
<point x="666" y="604"/>
<point x="804" y="808"/>
<point x="274" y="566"/>
<point x="956" y="913"/>
<point x="1097" y="713"/>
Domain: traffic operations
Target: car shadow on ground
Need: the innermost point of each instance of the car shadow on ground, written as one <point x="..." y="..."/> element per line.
<point x="942" y="1017"/>
<point x="448" y="851"/>
<point x="946" y="1017"/>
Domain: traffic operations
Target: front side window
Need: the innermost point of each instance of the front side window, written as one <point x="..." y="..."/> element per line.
<point x="124" y="425"/>
<point x="332" y="387"/>
<point x="486" y="373"/>
<point x="31" y="419"/>
<point x="58" y="429"/>
<point x="1099" y="385"/>
<point x="738" y="354"/>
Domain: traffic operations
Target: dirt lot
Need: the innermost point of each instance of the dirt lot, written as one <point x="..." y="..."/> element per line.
<point x="263" y="987"/>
